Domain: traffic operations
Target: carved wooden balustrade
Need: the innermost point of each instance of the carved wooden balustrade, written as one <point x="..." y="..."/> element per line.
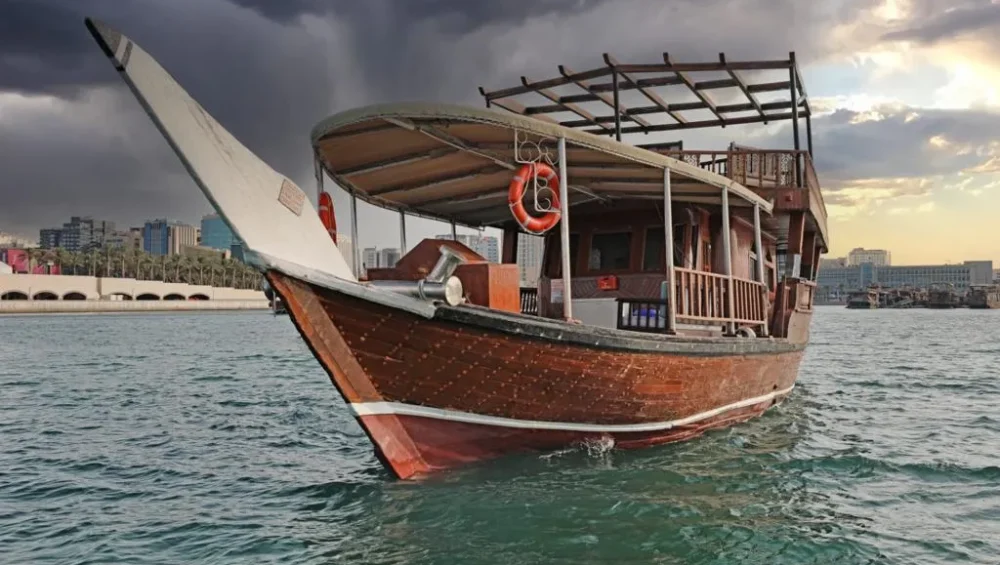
<point x="704" y="297"/>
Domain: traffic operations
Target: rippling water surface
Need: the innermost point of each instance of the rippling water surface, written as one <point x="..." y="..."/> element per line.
<point x="217" y="438"/>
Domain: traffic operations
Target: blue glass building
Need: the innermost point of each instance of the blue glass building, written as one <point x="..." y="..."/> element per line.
<point x="216" y="234"/>
<point x="156" y="237"/>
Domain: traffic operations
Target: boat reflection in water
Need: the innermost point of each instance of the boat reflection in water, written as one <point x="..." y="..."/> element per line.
<point x="676" y="290"/>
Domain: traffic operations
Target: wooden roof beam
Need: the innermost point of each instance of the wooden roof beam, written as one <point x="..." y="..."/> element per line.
<point x="622" y="110"/>
<point x="651" y="95"/>
<point x="511" y="106"/>
<point x="430" y="183"/>
<point x="690" y="84"/>
<point x="551" y="83"/>
<point x="397" y="161"/>
<point x="702" y="124"/>
<point x="743" y="87"/>
<point x="569" y="107"/>
<point x="723" y="109"/>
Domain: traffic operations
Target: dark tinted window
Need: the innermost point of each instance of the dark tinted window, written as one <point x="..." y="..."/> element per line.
<point x="554" y="262"/>
<point x="610" y="251"/>
<point x="652" y="255"/>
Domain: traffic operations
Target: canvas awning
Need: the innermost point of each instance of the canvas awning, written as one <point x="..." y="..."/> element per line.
<point x="455" y="163"/>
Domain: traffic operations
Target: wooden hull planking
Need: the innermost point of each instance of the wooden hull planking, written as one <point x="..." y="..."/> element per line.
<point x="435" y="394"/>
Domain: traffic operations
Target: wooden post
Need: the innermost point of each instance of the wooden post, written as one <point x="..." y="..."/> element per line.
<point x="355" y="244"/>
<point x="758" y="248"/>
<point x="402" y="233"/>
<point x="618" y="115"/>
<point x="793" y="81"/>
<point x="796" y="234"/>
<point x="510" y="243"/>
<point x="668" y="233"/>
<point x="564" y="231"/>
<point x="728" y="262"/>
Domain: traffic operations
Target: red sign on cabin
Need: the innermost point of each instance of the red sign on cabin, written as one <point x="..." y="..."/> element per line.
<point x="609" y="282"/>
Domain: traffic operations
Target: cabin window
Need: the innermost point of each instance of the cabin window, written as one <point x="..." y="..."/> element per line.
<point x="753" y="266"/>
<point x="679" y="246"/>
<point x="553" y="264"/>
<point x="652" y="255"/>
<point x="610" y="251"/>
<point x="652" y="258"/>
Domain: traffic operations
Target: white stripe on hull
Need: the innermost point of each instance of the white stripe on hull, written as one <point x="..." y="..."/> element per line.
<point x="400" y="409"/>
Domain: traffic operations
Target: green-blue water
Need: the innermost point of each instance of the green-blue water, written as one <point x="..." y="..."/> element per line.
<point x="216" y="438"/>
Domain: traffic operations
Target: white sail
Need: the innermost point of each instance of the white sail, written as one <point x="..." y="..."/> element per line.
<point x="274" y="218"/>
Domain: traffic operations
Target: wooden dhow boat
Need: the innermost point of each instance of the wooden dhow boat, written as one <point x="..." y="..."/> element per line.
<point x="639" y="334"/>
<point x="985" y="296"/>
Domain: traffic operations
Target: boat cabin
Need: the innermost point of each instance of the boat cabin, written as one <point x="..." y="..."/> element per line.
<point x="640" y="237"/>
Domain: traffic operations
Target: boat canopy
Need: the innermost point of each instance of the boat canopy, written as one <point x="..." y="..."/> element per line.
<point x="455" y="163"/>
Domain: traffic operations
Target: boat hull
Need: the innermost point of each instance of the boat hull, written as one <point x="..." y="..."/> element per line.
<point x="467" y="384"/>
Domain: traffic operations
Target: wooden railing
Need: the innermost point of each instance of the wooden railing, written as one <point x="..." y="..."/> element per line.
<point x="764" y="169"/>
<point x="701" y="296"/>
<point x="750" y="302"/>
<point x="753" y="168"/>
<point x="529" y="301"/>
<point x="704" y="297"/>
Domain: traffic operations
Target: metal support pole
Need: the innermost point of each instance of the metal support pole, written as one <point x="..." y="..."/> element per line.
<point x="454" y="232"/>
<point x="564" y="231"/>
<point x="728" y="262"/>
<point x="809" y="134"/>
<point x="354" y="236"/>
<point x="793" y="81"/>
<point x="668" y="235"/>
<point x="758" y="247"/>
<point x="402" y="233"/>
<point x="618" y="114"/>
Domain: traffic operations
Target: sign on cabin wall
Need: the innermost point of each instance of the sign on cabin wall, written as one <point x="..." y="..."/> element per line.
<point x="556" y="291"/>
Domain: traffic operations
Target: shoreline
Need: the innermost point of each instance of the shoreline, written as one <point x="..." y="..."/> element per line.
<point x="14" y="307"/>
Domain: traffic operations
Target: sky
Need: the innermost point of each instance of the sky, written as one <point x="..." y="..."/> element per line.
<point x="906" y="95"/>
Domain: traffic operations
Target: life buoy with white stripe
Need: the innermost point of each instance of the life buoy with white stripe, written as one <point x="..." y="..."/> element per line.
<point x="327" y="216"/>
<point x="515" y="194"/>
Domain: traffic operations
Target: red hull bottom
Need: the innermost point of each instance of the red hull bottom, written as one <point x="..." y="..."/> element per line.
<point x="438" y="444"/>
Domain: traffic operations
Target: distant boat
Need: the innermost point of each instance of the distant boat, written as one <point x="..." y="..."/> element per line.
<point x="943" y="295"/>
<point x="661" y="311"/>
<point x="867" y="299"/>
<point x="984" y="296"/>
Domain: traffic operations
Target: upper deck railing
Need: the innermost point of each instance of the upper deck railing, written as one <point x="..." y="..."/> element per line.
<point x="759" y="168"/>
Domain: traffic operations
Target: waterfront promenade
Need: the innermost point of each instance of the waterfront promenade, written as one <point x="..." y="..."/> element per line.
<point x="21" y="293"/>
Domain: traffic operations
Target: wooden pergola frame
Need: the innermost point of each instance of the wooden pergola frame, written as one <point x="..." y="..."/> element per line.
<point x="645" y="78"/>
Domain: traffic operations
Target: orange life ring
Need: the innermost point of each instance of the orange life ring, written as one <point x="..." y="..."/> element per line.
<point x="327" y="216"/>
<point x="515" y="194"/>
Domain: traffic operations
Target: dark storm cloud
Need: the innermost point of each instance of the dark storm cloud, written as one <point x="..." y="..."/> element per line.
<point x="936" y="23"/>
<point x="851" y="146"/>
<point x="270" y="70"/>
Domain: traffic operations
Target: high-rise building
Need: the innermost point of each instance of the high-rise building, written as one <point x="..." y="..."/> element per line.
<point x="49" y="238"/>
<point x="981" y="271"/>
<point x="215" y="233"/>
<point x="181" y="236"/>
<point x="346" y="247"/>
<point x="369" y="259"/>
<point x="486" y="246"/>
<point x="161" y="237"/>
<point x="862" y="256"/>
<point x="529" y="258"/>
<point x="388" y="257"/>
<point x="156" y="237"/>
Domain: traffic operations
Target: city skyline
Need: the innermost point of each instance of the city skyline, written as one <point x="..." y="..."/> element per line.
<point x="906" y="95"/>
